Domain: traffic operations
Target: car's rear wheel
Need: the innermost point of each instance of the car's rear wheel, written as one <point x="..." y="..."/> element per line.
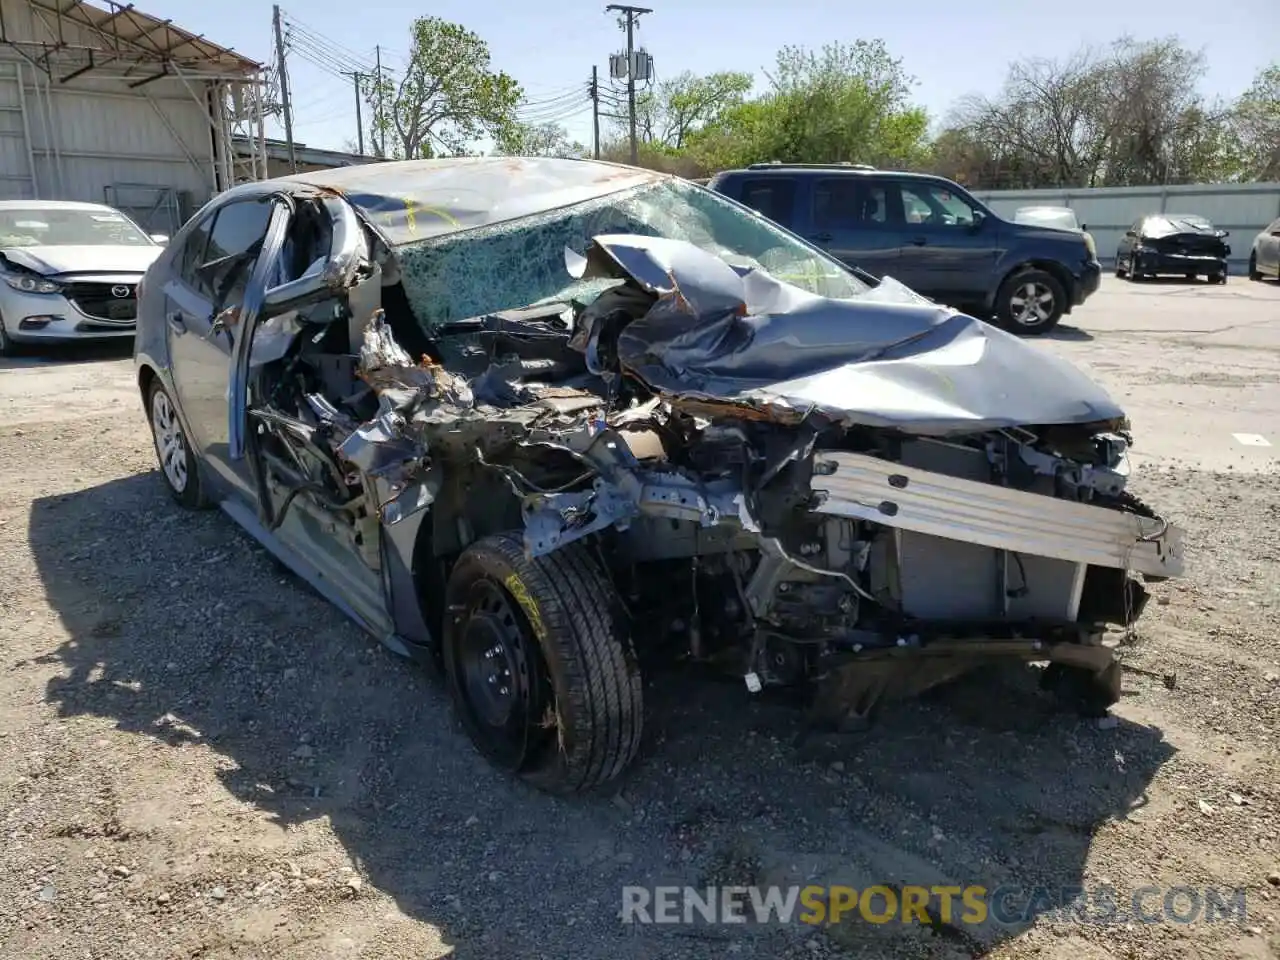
<point x="1031" y="302"/>
<point x="1217" y="278"/>
<point x="539" y="663"/>
<point x="1253" y="267"/>
<point x="177" y="463"/>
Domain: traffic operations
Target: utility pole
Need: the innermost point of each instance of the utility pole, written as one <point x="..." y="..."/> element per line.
<point x="631" y="15"/>
<point x="595" y="111"/>
<point x="355" y="76"/>
<point x="379" y="129"/>
<point x="285" y="102"/>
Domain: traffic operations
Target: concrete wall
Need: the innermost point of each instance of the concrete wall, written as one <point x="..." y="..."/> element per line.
<point x="1242" y="208"/>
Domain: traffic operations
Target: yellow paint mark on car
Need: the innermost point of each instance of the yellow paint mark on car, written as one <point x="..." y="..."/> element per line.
<point x="515" y="586"/>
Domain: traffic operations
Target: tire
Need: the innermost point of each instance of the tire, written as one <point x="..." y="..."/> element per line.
<point x="1121" y="273"/>
<point x="539" y="664"/>
<point x="178" y="466"/>
<point x="1022" y="307"/>
<point x="8" y="346"/>
<point x="1082" y="691"/>
<point x="1253" y="267"/>
<point x="1133" y="273"/>
<point x="1217" y="278"/>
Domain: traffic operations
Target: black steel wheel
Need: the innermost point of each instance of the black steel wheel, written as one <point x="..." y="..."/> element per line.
<point x="539" y="663"/>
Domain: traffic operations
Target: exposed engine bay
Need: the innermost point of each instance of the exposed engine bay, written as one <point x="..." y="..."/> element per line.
<point x="868" y="495"/>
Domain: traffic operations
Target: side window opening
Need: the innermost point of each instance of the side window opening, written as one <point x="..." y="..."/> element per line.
<point x="846" y="203"/>
<point x="234" y="245"/>
<point x="774" y="197"/>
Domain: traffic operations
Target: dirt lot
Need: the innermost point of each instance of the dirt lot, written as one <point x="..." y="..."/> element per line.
<point x="199" y="758"/>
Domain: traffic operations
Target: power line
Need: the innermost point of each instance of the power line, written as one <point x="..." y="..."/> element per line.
<point x="315" y="36"/>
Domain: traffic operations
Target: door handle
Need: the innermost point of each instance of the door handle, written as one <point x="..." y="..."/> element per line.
<point x="176" y="323"/>
<point x="918" y="241"/>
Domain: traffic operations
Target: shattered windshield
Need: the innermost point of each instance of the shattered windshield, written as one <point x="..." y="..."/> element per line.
<point x="522" y="262"/>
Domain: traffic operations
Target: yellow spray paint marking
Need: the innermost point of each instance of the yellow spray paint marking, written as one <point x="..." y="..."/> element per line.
<point x="518" y="590"/>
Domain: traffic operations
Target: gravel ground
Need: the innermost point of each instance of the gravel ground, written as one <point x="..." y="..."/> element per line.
<point x="199" y="758"/>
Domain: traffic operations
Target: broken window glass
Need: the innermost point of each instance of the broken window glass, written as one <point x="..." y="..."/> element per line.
<point x="519" y="263"/>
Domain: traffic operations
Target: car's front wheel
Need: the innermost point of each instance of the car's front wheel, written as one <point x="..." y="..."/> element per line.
<point x="8" y="348"/>
<point x="1253" y="267"/>
<point x="539" y="663"/>
<point x="1031" y="301"/>
<point x="173" y="450"/>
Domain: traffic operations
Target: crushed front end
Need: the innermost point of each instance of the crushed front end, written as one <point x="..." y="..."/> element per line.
<point x="867" y="496"/>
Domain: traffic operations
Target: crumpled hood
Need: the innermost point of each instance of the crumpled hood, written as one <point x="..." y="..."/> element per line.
<point x="83" y="258"/>
<point x="887" y="358"/>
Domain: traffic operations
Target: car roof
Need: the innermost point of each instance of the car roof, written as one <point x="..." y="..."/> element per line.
<point x="410" y="200"/>
<point x="829" y="169"/>
<point x="54" y="205"/>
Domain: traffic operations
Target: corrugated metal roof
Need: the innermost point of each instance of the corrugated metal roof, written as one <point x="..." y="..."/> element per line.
<point x="128" y="33"/>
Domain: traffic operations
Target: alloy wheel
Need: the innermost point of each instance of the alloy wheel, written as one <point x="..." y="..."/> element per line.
<point x="171" y="443"/>
<point x="1031" y="304"/>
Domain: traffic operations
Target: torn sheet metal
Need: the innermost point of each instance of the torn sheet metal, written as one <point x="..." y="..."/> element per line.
<point x="884" y="358"/>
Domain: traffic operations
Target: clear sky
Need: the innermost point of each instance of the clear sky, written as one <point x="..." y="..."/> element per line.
<point x="951" y="48"/>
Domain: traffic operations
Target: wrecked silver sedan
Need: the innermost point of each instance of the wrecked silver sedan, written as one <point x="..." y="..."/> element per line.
<point x="541" y="422"/>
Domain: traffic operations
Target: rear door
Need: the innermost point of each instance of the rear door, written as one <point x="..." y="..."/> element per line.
<point x="948" y="249"/>
<point x="850" y="218"/>
<point x="202" y="306"/>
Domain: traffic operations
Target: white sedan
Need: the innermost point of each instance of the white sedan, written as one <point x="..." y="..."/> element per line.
<point x="70" y="271"/>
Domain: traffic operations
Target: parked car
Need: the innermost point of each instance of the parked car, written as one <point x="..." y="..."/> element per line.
<point x="928" y="233"/>
<point x="544" y="422"/>
<point x="1063" y="218"/>
<point x="1264" y="256"/>
<point x="1183" y="244"/>
<point x="70" y="271"/>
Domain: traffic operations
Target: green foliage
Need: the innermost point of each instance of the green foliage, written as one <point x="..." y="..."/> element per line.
<point x="446" y="98"/>
<point x="844" y="102"/>
<point x="667" y="115"/>
<point x="1255" y="127"/>
<point x="536" y="140"/>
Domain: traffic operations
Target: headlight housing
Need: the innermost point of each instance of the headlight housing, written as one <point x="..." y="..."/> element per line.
<point x="29" y="284"/>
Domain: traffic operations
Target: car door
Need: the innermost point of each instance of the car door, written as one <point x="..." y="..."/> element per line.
<point x="1128" y="241"/>
<point x="774" y="196"/>
<point x="949" y="247"/>
<point x="849" y="218"/>
<point x="202" y="306"/>
<point x="1269" y="249"/>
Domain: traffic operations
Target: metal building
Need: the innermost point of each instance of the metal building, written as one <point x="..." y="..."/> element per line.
<point x="101" y="102"/>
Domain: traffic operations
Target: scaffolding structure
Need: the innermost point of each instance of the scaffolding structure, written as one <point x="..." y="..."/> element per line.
<point x="114" y="40"/>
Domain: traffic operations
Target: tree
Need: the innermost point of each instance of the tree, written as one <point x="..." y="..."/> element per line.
<point x="447" y="95"/>
<point x="1129" y="113"/>
<point x="843" y="102"/>
<point x="537" y="140"/>
<point x="675" y="108"/>
<point x="1255" y="126"/>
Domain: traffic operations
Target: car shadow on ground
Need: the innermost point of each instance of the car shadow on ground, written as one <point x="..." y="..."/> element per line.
<point x="202" y="638"/>
<point x="1066" y="332"/>
<point x="66" y="354"/>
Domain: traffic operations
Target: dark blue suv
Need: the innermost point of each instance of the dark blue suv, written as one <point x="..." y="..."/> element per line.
<point x="929" y="234"/>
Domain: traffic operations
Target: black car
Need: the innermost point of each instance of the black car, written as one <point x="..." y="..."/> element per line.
<point x="1182" y="244"/>
<point x="929" y="234"/>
